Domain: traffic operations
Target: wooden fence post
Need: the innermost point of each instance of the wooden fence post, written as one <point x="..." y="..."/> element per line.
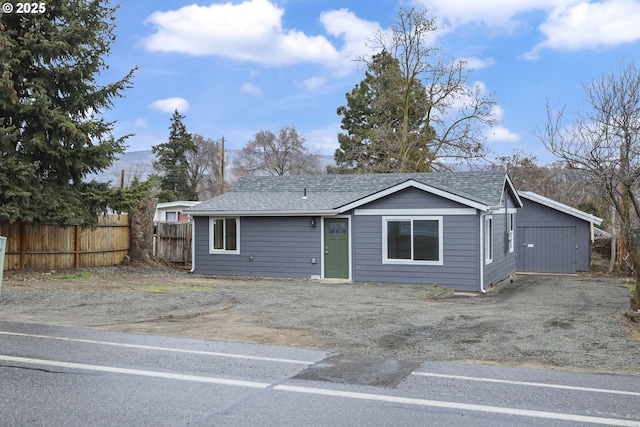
<point x="76" y="258"/>
<point x="23" y="245"/>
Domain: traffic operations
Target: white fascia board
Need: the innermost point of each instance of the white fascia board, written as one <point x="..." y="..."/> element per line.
<point x="418" y="185"/>
<point x="264" y="213"/>
<point x="166" y="205"/>
<point x="561" y="207"/>
<point x="513" y="189"/>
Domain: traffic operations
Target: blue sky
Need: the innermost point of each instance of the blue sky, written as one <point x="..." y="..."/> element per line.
<point x="236" y="67"/>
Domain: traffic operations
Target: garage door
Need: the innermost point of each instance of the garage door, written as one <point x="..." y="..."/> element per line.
<point x="547" y="250"/>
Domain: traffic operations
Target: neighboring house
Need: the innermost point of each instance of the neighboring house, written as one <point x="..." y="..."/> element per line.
<point x="172" y="232"/>
<point x="454" y="229"/>
<point x="553" y="237"/>
<point x="172" y="211"/>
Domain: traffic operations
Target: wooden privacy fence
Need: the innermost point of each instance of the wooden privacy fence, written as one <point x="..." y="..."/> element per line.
<point x="173" y="242"/>
<point x="53" y="246"/>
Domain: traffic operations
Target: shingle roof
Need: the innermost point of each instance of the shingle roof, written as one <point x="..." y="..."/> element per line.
<point x="328" y="193"/>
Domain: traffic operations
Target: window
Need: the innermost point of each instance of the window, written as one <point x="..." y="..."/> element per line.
<point x="223" y="235"/>
<point x="171" y="216"/>
<point x="338" y="228"/>
<point x="412" y="240"/>
<point x="512" y="227"/>
<point x="488" y="240"/>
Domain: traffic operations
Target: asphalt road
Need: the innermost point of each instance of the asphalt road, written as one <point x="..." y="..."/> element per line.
<point x="59" y="376"/>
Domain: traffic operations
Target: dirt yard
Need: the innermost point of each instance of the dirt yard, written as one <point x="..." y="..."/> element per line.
<point x="570" y="322"/>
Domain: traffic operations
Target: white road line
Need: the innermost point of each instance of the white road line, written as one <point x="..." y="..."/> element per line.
<point x="169" y="349"/>
<point x="461" y="406"/>
<point x="125" y="371"/>
<point x="525" y="383"/>
<point x="334" y="393"/>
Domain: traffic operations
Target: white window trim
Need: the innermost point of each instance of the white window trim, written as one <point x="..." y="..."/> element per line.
<point x="512" y="229"/>
<point x="224" y="251"/>
<point x="488" y="239"/>
<point x="386" y="260"/>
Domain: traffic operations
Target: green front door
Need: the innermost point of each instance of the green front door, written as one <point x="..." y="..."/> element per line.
<point x="336" y="248"/>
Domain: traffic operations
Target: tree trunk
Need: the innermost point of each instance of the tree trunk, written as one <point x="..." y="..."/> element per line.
<point x="141" y="245"/>
<point x="635" y="299"/>
<point x="612" y="257"/>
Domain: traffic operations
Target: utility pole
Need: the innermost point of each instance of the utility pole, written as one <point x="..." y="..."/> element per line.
<point x="222" y="167"/>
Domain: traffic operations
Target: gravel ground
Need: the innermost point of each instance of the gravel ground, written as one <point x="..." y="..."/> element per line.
<point x="569" y="322"/>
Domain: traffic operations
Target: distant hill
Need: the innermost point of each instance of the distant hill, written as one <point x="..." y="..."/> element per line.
<point x="140" y="164"/>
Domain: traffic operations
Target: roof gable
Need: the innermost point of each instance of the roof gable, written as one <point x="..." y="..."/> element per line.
<point x="420" y="186"/>
<point x="528" y="195"/>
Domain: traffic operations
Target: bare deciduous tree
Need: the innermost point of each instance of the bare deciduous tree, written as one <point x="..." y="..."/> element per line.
<point x="458" y="112"/>
<point x="278" y="154"/>
<point x="204" y="167"/>
<point x="604" y="139"/>
<point x="555" y="181"/>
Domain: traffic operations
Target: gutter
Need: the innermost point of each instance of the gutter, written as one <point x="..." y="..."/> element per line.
<point x="265" y="213"/>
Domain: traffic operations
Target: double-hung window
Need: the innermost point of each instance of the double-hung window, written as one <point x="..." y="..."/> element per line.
<point x="223" y="235"/>
<point x="412" y="240"/>
<point x="488" y="239"/>
<point x="512" y="227"/>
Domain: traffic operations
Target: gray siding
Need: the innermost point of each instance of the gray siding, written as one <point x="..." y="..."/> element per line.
<point x="460" y="255"/>
<point x="412" y="198"/>
<point x="545" y="225"/>
<point x="504" y="263"/>
<point x="279" y="246"/>
<point x="460" y="269"/>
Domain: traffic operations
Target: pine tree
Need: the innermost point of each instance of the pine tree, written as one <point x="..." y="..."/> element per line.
<point x="52" y="135"/>
<point x="172" y="164"/>
<point x="374" y="121"/>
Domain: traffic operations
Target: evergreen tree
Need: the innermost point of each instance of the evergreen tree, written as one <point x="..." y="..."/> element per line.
<point x="52" y="134"/>
<point x="374" y="121"/>
<point x="172" y="164"/>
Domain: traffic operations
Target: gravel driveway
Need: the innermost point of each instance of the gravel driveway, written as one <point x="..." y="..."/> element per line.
<point x="572" y="322"/>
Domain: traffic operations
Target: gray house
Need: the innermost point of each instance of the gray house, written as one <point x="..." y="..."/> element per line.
<point x="454" y="229"/>
<point x="553" y="237"/>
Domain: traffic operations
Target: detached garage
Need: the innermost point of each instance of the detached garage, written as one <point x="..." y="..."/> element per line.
<point x="552" y="237"/>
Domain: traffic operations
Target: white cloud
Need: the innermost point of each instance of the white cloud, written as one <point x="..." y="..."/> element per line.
<point x="354" y="31"/>
<point x="252" y="31"/>
<point x="590" y="26"/>
<point x="568" y="25"/>
<point x="499" y="13"/>
<point x="169" y="105"/>
<point x="500" y="133"/>
<point x="314" y="82"/>
<point x="251" y="89"/>
<point x="477" y="63"/>
<point x="140" y="122"/>
<point x="324" y="140"/>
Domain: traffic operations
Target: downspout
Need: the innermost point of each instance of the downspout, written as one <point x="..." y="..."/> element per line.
<point x="481" y="252"/>
<point x="506" y="224"/>
<point x="193" y="244"/>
